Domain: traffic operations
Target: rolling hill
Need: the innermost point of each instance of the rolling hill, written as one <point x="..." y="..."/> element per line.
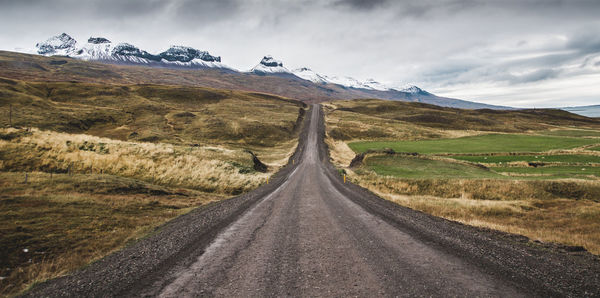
<point x="29" y="67"/>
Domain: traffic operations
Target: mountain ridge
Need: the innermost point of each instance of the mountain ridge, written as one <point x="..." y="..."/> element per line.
<point x="588" y="111"/>
<point x="99" y="49"/>
<point x="102" y="50"/>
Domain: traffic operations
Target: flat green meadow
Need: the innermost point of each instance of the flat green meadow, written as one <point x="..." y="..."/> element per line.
<point x="477" y="144"/>
<point x="415" y="167"/>
<point x="562" y="158"/>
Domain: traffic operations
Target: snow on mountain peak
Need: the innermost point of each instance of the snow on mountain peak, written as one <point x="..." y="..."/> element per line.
<point x="309" y="75"/>
<point x="62" y="44"/>
<point x="269" y="65"/>
<point x="349" y="82"/>
<point x="101" y="49"/>
<point x="98" y="40"/>
<point x="409" y="89"/>
<point x="187" y="54"/>
<point x="372" y="84"/>
<point x="126" y="49"/>
<point x="97" y="48"/>
<point x="271" y="62"/>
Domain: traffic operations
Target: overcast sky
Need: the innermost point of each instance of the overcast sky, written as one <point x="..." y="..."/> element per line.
<point x="523" y="53"/>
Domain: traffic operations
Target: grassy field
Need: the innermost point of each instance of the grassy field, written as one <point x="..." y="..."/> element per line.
<point x="565" y="221"/>
<point x="214" y="169"/>
<point x="52" y="225"/>
<point x="356" y="119"/>
<point x="562" y="158"/>
<point x="105" y="164"/>
<point x="473" y="165"/>
<point x="423" y="167"/>
<point x="553" y="171"/>
<point x="488" y="143"/>
<point x="573" y="133"/>
<point x="151" y="113"/>
<point x="415" y="167"/>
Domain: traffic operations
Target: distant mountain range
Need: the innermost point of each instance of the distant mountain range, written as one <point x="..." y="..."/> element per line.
<point x="588" y="111"/>
<point x="101" y="49"/>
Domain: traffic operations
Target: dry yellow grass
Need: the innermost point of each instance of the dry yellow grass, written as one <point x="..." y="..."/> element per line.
<point x="207" y="168"/>
<point x="152" y="113"/>
<point x="556" y="220"/>
<point x="103" y="193"/>
<point x="341" y="155"/>
<point x="106" y="163"/>
<point x="52" y="225"/>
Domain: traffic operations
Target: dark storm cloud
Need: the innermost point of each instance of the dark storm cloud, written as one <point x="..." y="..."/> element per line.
<point x="587" y="42"/>
<point x="361" y="4"/>
<point x="436" y="8"/>
<point x="100" y="9"/>
<point x="206" y="11"/>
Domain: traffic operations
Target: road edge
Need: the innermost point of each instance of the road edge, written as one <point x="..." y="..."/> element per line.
<point x="178" y="241"/>
<point x="546" y="270"/>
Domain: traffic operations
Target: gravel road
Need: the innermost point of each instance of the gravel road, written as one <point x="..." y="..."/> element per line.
<point x="309" y="234"/>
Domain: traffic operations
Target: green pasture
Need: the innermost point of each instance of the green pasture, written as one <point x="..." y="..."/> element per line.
<point x="477" y="144"/>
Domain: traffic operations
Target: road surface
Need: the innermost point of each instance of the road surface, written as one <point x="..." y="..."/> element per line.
<point x="309" y="234"/>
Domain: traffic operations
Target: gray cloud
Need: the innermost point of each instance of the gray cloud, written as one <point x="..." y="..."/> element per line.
<point x="538" y="75"/>
<point x="440" y="44"/>
<point x="123" y="9"/>
<point x="206" y="11"/>
<point x="361" y="4"/>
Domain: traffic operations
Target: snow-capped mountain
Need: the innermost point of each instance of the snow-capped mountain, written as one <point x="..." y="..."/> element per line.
<point x="62" y="45"/>
<point x="309" y="75"/>
<point x="97" y="48"/>
<point x="269" y="65"/>
<point x="102" y="49"/>
<point x="349" y="82"/>
<point x="372" y="84"/>
<point x="412" y="89"/>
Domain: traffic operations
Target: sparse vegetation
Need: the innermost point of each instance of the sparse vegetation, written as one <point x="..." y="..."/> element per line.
<point x="446" y="120"/>
<point x="206" y="168"/>
<point x="54" y="224"/>
<point x="105" y="164"/>
<point x="152" y="113"/>
<point x="532" y="172"/>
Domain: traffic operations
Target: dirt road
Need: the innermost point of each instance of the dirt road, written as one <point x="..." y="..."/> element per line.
<point x="309" y="234"/>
